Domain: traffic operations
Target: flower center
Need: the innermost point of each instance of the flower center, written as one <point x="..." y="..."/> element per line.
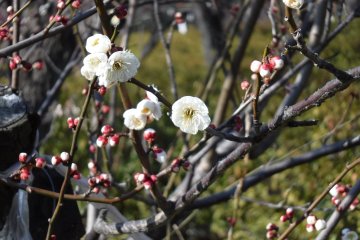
<point x="94" y="61"/>
<point x="95" y="42"/>
<point x="189" y="113"/>
<point x="117" y="65"/>
<point x="136" y="122"/>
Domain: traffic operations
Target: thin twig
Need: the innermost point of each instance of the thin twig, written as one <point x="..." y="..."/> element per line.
<point x="16" y="14"/>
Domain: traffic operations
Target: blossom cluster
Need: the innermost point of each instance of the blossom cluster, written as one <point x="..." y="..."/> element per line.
<point x="98" y="181"/>
<point x="27" y="163"/>
<point x="266" y="68"/>
<point x="110" y="64"/>
<point x="108" y="137"/>
<point x="340" y="191"/>
<point x="145" y="179"/>
<point x="64" y="159"/>
<point x="312" y="223"/>
<point x="145" y="111"/>
<point x="271" y="231"/>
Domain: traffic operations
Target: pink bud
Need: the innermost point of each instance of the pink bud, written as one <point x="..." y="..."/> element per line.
<point x="106" y="129"/>
<point x="121" y="12"/>
<point x="310" y="227"/>
<point x="284" y="218"/>
<point x="24" y="175"/>
<point x="153" y="178"/>
<point x="336" y="201"/>
<point x="64" y="156"/>
<point x="76" y="4"/>
<point x="38" y="65"/>
<point x="22" y="157"/>
<point x="147" y="184"/>
<point x="255" y="66"/>
<point x="60" y="5"/>
<point x="101" y="141"/>
<point x="55" y="160"/>
<point x="105" y="109"/>
<point x="271" y="226"/>
<point x="17" y="59"/>
<point x="102" y="90"/>
<point x="96" y="190"/>
<point x="40" y="162"/>
<point x="272" y="234"/>
<point x="92" y="148"/>
<point x="76" y="175"/>
<point x="265" y="70"/>
<point x="76" y="121"/>
<point x="58" y="18"/>
<point x="276" y="62"/>
<point x="70" y="122"/>
<point x="149" y="135"/>
<point x="244" y="85"/>
<point x="179" y="18"/>
<point x="290" y="212"/>
<point x="91" y="182"/>
<point x="114" y="140"/>
<point x="320" y="224"/>
<point x="231" y="221"/>
<point x="12" y="65"/>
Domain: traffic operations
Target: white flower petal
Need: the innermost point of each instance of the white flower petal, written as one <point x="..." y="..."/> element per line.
<point x="88" y="73"/>
<point x="133" y="119"/>
<point x="295" y="4"/>
<point x="190" y="114"/>
<point x="98" y="43"/>
<point x="95" y="61"/>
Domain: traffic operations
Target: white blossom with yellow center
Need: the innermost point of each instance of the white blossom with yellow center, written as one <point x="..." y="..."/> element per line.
<point x="295" y="4"/>
<point x="122" y="66"/>
<point x="93" y="65"/>
<point x="98" y="43"/>
<point x="134" y="119"/>
<point x="190" y="114"/>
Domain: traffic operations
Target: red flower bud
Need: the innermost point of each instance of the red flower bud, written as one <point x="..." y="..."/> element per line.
<point x="22" y="157"/>
<point x="40" y="162"/>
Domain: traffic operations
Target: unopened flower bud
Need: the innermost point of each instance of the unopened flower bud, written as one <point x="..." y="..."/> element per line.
<point x="276" y="62"/>
<point x="55" y="160"/>
<point x="284" y="218"/>
<point x="40" y="162"/>
<point x="149" y="135"/>
<point x="22" y="157"/>
<point x="102" y="90"/>
<point x="76" y="4"/>
<point x="147" y="184"/>
<point x="70" y="122"/>
<point x="311" y="219"/>
<point x="186" y="165"/>
<point x="245" y="85"/>
<point x="114" y="140"/>
<point x="65" y="156"/>
<point x="320" y="224"/>
<point x="106" y="129"/>
<point x="290" y="212"/>
<point x="265" y="70"/>
<point x="38" y="65"/>
<point x="101" y="141"/>
<point x="73" y="167"/>
<point x="24" y="174"/>
<point x="255" y="66"/>
<point x="310" y="227"/>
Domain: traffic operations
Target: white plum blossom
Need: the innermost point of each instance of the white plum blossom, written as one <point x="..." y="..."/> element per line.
<point x="146" y="107"/>
<point x="93" y="65"/>
<point x="190" y="114"/>
<point x="98" y="43"/>
<point x="150" y="108"/>
<point x="334" y="191"/>
<point x="133" y="119"/>
<point x="122" y="65"/>
<point x="157" y="110"/>
<point x="295" y="4"/>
